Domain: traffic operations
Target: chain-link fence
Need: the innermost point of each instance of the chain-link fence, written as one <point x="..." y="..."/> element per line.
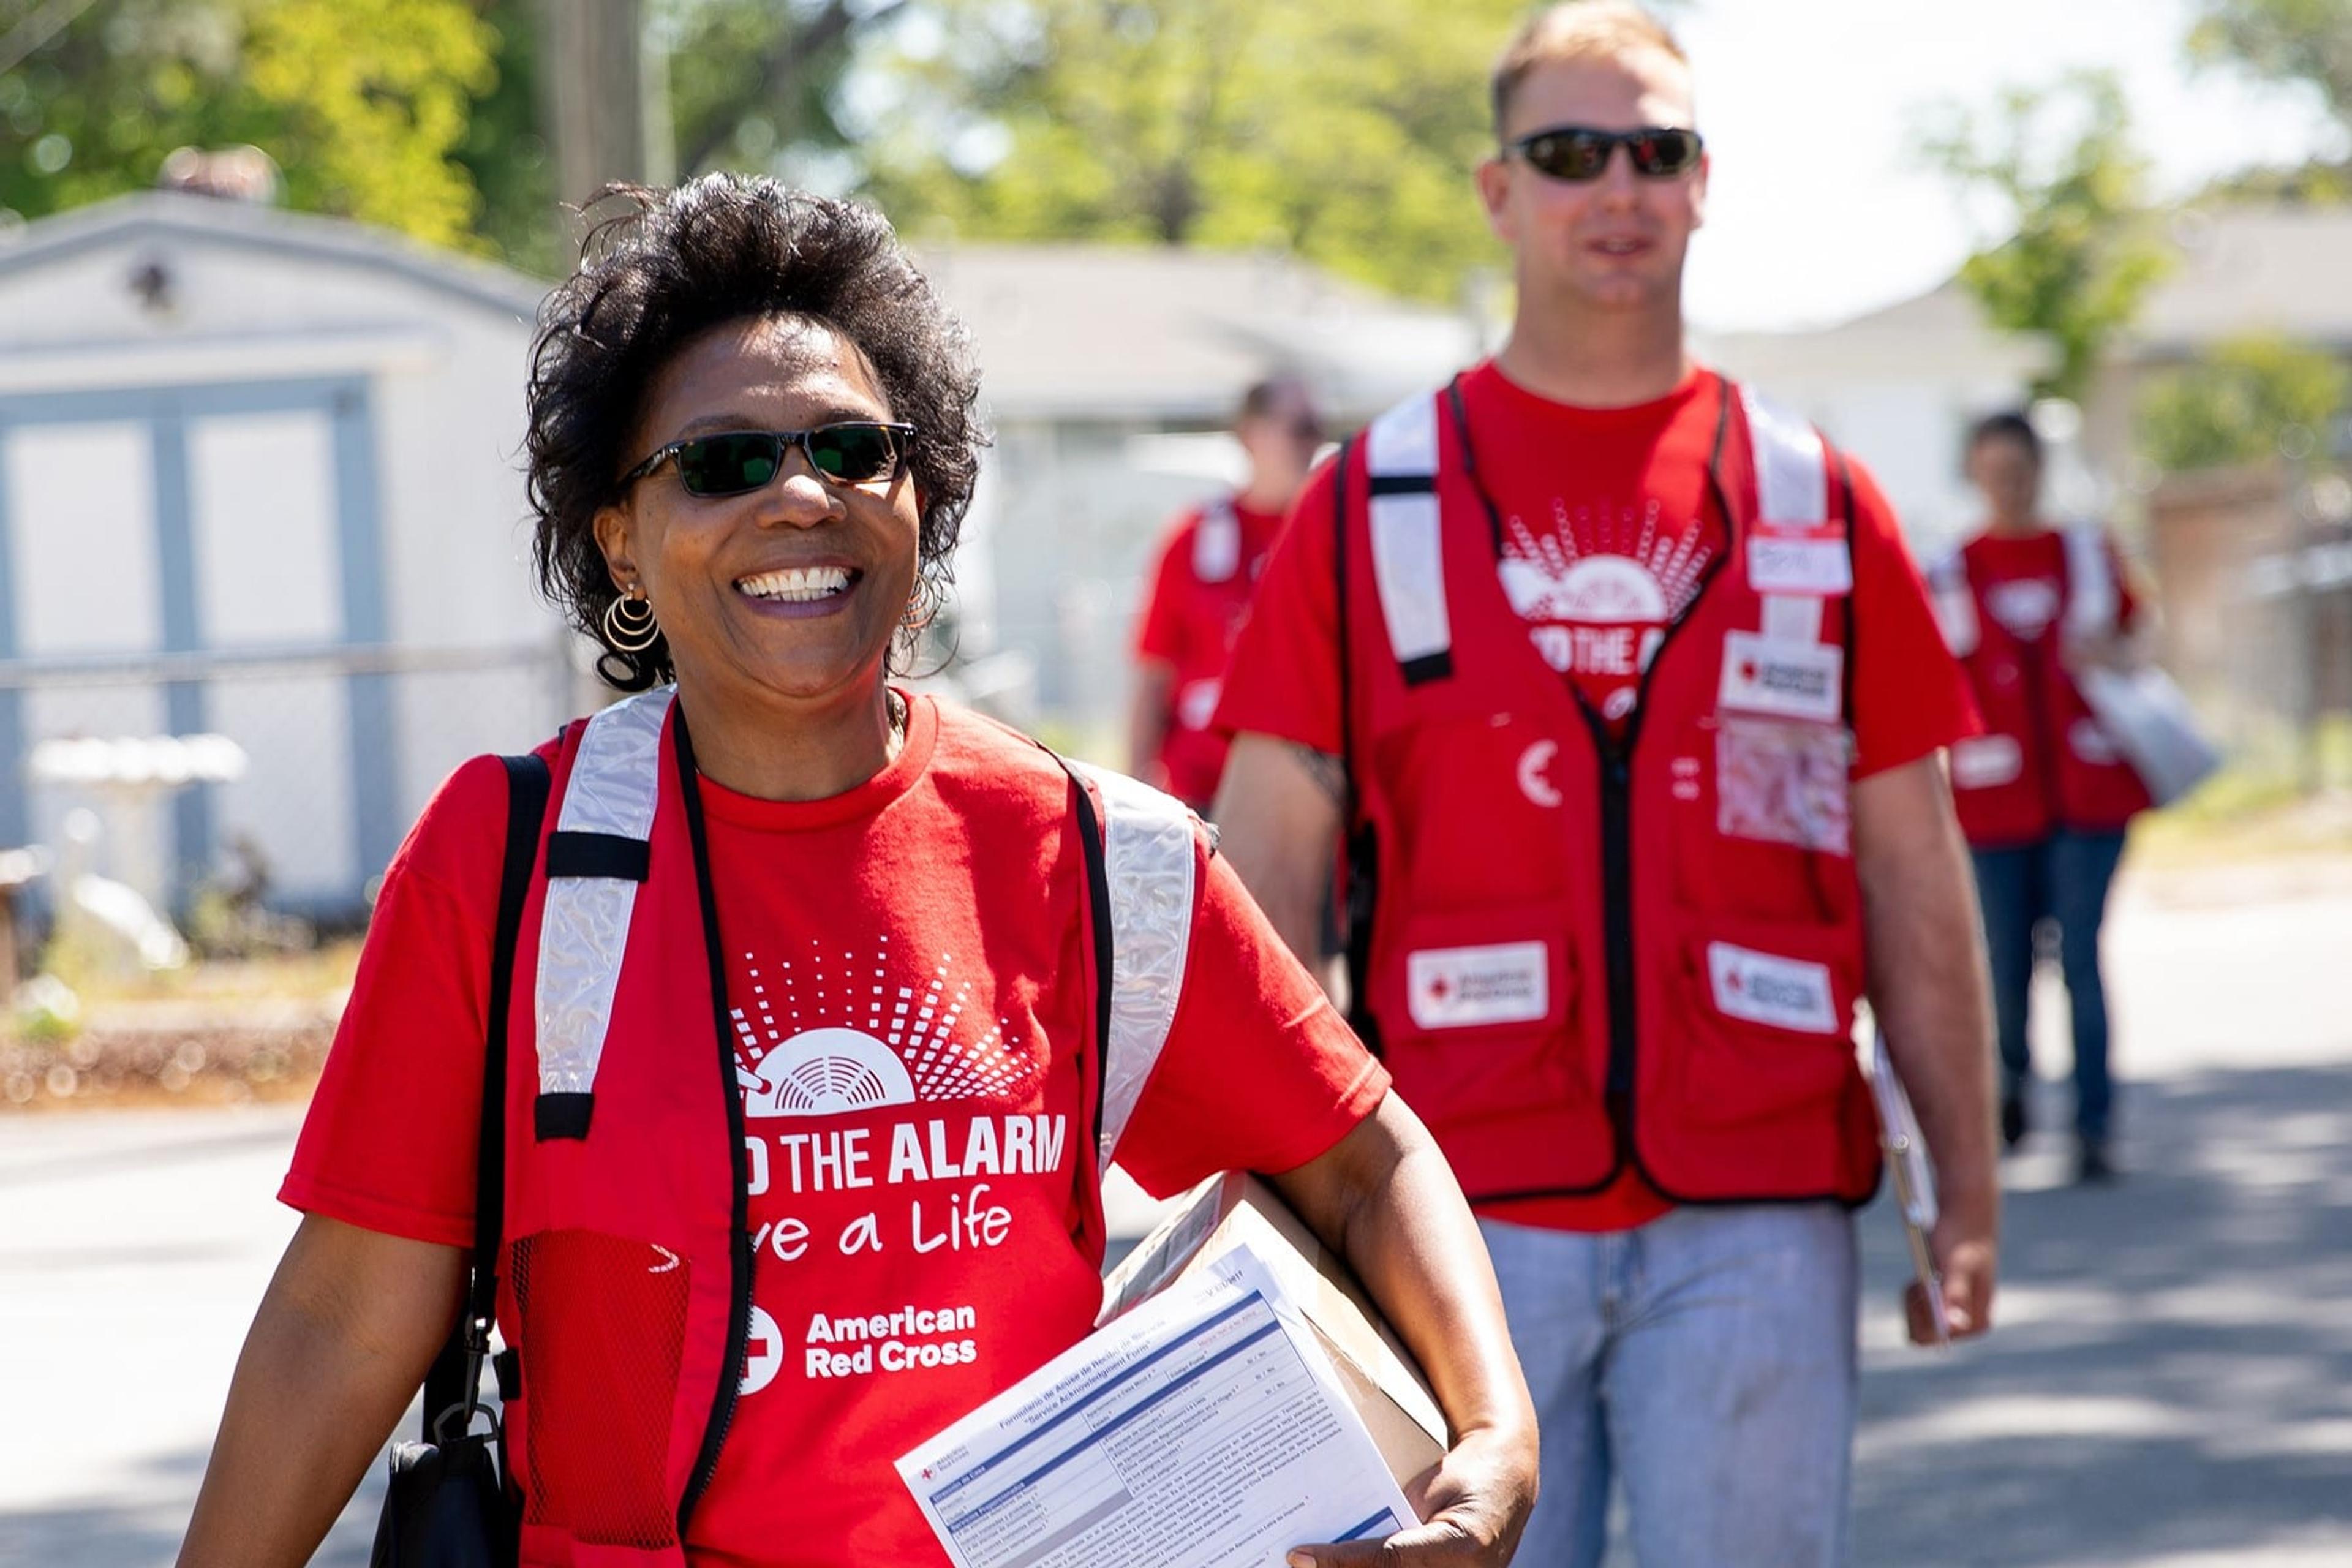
<point x="336" y="751"/>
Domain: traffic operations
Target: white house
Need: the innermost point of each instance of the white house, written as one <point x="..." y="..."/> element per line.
<point x="1109" y="373"/>
<point x="1898" y="388"/>
<point x="259" y="476"/>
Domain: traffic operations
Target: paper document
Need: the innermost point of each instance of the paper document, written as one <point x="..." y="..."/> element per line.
<point x="1915" y="1178"/>
<point x="1203" y="1428"/>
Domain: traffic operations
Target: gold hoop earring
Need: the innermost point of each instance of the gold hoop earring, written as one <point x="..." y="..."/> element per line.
<point x="629" y="623"/>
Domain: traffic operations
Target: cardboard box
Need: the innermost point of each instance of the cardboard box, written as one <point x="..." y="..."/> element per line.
<point x="1378" y="1373"/>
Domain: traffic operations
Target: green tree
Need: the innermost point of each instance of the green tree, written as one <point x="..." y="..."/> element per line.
<point x="2082" y="249"/>
<point x="1346" y="134"/>
<point x="2246" y="401"/>
<point x="365" y="108"/>
<point x="753" y="83"/>
<point x="2289" y="41"/>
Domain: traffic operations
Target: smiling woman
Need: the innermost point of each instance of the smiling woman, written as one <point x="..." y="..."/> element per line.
<point x="811" y="961"/>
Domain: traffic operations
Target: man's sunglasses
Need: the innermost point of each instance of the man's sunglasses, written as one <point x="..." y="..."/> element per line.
<point x="1579" y="154"/>
<point x="851" y="452"/>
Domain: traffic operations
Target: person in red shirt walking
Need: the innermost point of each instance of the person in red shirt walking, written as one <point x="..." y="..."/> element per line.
<point x="1626" y="696"/>
<point x="832" y="1003"/>
<point x="1200" y="595"/>
<point x="2043" y="794"/>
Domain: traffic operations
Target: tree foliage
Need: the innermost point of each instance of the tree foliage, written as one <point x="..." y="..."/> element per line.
<point x="2082" y="249"/>
<point x="2247" y="400"/>
<point x="362" y="106"/>
<point x="757" y="84"/>
<point x="1346" y="134"/>
<point x="2305" y="41"/>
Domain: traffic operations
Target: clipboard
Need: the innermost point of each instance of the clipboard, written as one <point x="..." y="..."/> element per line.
<point x="1914" y="1179"/>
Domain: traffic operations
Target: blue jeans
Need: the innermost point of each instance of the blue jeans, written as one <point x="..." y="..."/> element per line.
<point x="2063" y="879"/>
<point x="1707" y="1359"/>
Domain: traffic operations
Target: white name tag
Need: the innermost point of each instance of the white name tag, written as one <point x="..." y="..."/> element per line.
<point x="1457" y="987"/>
<point x="1781" y="565"/>
<point x="2088" y="741"/>
<point x="1788" y="681"/>
<point x="1786" y="992"/>
<point x="1983" y="761"/>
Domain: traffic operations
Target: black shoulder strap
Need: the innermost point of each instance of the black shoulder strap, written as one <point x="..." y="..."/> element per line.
<point x="1090" y="844"/>
<point x="455" y="1379"/>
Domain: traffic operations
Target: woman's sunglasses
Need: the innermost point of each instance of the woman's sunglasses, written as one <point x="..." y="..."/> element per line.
<point x="1579" y="154"/>
<point x="851" y="452"/>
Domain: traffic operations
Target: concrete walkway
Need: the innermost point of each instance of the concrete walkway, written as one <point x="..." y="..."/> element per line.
<point x="2170" y="1384"/>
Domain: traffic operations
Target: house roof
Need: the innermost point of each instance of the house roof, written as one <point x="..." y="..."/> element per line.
<point x="147" y="216"/>
<point x="1113" y="332"/>
<point x="1089" y="332"/>
<point x="2253" y="270"/>
<point x="1941" y="332"/>
<point x="2237" y="271"/>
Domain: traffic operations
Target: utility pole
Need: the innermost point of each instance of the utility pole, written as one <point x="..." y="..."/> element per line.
<point x="604" y="100"/>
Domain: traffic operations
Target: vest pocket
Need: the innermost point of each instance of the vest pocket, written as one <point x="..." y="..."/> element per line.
<point x="1768" y="1018"/>
<point x="1474" y="1011"/>
<point x="602" y="1324"/>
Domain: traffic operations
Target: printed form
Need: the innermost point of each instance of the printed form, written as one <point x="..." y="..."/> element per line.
<point x="1203" y="1428"/>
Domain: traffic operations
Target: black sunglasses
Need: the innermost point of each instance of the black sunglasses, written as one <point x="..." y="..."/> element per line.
<point x="850" y="452"/>
<point x="1579" y="154"/>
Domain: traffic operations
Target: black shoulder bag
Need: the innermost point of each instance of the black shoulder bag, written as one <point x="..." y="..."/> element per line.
<point x="447" y="1507"/>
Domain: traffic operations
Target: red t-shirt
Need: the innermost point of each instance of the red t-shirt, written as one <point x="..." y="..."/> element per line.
<point x="1606" y="526"/>
<point x="1190" y="622"/>
<point x="872" y="912"/>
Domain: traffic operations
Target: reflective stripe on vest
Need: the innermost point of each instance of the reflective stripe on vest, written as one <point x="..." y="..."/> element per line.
<point x="1407" y="553"/>
<point x="1217" y="543"/>
<point x="1409" y="561"/>
<point x="1147" y="855"/>
<point x="608" y="806"/>
<point x="1955" y="603"/>
<point x="596" y="862"/>
<point x="2093" y="600"/>
<point x="1792" y="499"/>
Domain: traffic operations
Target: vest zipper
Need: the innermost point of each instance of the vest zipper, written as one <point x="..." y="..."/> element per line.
<point x="1617" y="911"/>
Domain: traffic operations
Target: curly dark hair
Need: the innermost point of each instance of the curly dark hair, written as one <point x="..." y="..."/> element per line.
<point x="667" y="266"/>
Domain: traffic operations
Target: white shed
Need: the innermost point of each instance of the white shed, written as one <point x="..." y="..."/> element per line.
<point x="259" y="475"/>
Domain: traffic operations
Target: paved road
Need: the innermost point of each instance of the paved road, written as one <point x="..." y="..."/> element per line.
<point x="2172" y="1385"/>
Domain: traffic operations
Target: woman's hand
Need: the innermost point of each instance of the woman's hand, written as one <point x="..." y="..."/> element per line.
<point x="1384" y="1199"/>
<point x="1476" y="1500"/>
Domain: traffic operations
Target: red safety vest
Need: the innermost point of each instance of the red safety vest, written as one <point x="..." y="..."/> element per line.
<point x="626" y="1294"/>
<point x="1580" y="954"/>
<point x="2043" y="762"/>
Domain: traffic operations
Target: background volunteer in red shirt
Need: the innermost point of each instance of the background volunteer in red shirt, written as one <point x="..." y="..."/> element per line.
<point x="902" y="919"/>
<point x="2043" y="794"/>
<point x="1704" y="1351"/>
<point x="1200" y="596"/>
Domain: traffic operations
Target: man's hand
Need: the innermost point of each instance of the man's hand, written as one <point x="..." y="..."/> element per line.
<point x="1477" y="1502"/>
<point x="1928" y="989"/>
<point x="1967" y="1252"/>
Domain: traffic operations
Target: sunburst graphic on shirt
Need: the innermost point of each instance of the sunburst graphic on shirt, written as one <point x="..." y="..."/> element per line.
<point x="1602" y="566"/>
<point x="831" y="1031"/>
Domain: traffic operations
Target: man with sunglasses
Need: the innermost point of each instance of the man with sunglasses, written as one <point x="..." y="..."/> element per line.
<point x="1200" y="595"/>
<point x="1623" y="694"/>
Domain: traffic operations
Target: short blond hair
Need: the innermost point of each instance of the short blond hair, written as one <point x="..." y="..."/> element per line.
<point x="1578" y="30"/>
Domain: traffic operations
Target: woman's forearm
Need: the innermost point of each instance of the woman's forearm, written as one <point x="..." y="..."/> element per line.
<point x="1385" y="1199"/>
<point x="338" y="1348"/>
